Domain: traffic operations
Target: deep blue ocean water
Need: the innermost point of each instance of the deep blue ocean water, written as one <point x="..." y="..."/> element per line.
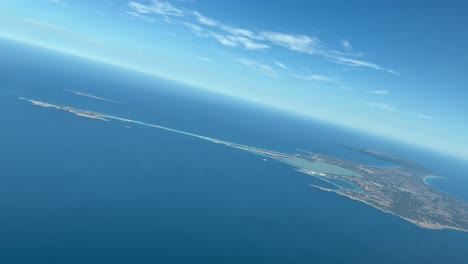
<point x="76" y="190"/>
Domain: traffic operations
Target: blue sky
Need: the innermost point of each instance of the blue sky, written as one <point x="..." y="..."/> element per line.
<point x="396" y="69"/>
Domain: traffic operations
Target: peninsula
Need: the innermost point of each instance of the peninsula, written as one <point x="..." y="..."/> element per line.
<point x="399" y="190"/>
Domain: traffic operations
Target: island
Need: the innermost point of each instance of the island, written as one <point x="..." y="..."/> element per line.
<point x="400" y="190"/>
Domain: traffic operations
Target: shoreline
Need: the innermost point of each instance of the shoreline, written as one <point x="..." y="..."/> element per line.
<point x="427" y="177"/>
<point x="281" y="157"/>
<point x="423" y="225"/>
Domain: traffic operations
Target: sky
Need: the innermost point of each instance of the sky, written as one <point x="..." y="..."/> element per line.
<point x="397" y="69"/>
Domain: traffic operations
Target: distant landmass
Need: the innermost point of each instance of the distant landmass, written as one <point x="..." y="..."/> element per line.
<point x="399" y="190"/>
<point x="90" y="96"/>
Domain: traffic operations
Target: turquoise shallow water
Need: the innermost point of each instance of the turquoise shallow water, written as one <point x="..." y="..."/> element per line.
<point x="346" y="185"/>
<point x="322" y="167"/>
<point x="76" y="190"/>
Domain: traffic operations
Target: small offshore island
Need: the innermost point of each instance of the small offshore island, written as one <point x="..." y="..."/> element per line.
<point x="401" y="190"/>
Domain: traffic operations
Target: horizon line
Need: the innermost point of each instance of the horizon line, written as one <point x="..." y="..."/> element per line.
<point x="462" y="157"/>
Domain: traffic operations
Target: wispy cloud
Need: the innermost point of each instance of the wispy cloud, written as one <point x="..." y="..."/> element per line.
<point x="423" y="116"/>
<point x="379" y="92"/>
<point x="392" y="108"/>
<point x="59" y="2"/>
<point x="194" y="27"/>
<point x="281" y="65"/>
<point x="235" y="31"/>
<point x="205" y="20"/>
<point x="156" y="7"/>
<point x="232" y="36"/>
<point x="382" y="106"/>
<point x="58" y="30"/>
<point x="43" y="25"/>
<point x="359" y="63"/>
<point x="226" y="39"/>
<point x="203" y="58"/>
<point x="257" y="66"/>
<point x="313" y="46"/>
<point x="228" y="35"/>
<point x="346" y="88"/>
<point x="248" y="43"/>
<point x="139" y="16"/>
<point x="346" y="45"/>
<point x="315" y="77"/>
<point x="99" y="12"/>
<point x="300" y="43"/>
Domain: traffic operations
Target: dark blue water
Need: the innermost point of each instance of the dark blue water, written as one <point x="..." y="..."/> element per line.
<point x="76" y="190"/>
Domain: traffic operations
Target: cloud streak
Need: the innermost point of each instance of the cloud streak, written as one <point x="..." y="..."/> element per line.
<point x="43" y="25"/>
<point x="346" y="45"/>
<point x="423" y="116"/>
<point x="299" y="43"/>
<point x="202" y="58"/>
<point x="392" y="108"/>
<point x="156" y="7"/>
<point x="257" y="66"/>
<point x="379" y="92"/>
<point x="232" y="36"/>
<point x="139" y="16"/>
<point x="359" y="63"/>
<point x="58" y="2"/>
<point x="227" y="40"/>
<point x="315" y="77"/>
<point x="382" y="106"/>
<point x="281" y="65"/>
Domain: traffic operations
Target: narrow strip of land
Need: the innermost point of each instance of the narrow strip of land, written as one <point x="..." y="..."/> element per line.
<point x="90" y="96"/>
<point x="399" y="190"/>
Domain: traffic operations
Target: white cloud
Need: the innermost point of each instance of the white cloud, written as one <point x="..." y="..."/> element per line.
<point x="392" y="108"/>
<point x="59" y="2"/>
<point x="346" y="88"/>
<point x="315" y="77"/>
<point x="99" y="12"/>
<point x="43" y="25"/>
<point x="346" y="45"/>
<point x="137" y="15"/>
<point x="281" y="65"/>
<point x="299" y="43"/>
<point x="423" y="116"/>
<point x="58" y="30"/>
<point x="248" y="43"/>
<point x="382" y="106"/>
<point x="194" y="27"/>
<point x="235" y="31"/>
<point x="359" y="63"/>
<point x="205" y="20"/>
<point x="156" y="7"/>
<point x="313" y="46"/>
<point x="379" y="92"/>
<point x="232" y="36"/>
<point x="263" y="68"/>
<point x="238" y="31"/>
<point x="235" y="36"/>
<point x="227" y="39"/>
<point x="389" y="107"/>
<point x="203" y="58"/>
<point x="223" y="39"/>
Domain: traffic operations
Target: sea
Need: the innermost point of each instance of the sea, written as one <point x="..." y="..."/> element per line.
<point x="79" y="190"/>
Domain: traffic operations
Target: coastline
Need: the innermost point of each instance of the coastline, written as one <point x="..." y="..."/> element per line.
<point x="423" y="225"/>
<point x="428" y="177"/>
<point x="281" y="157"/>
